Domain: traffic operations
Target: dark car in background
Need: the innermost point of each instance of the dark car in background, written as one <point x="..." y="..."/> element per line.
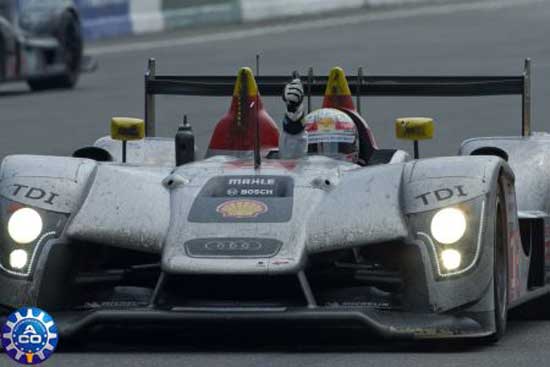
<point x="41" y="43"/>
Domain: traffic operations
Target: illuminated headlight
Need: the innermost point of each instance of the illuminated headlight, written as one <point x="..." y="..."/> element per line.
<point x="19" y="259"/>
<point x="25" y="225"/>
<point x="448" y="226"/>
<point x="453" y="235"/>
<point x="24" y="232"/>
<point x="451" y="259"/>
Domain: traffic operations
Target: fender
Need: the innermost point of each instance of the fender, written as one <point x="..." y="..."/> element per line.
<point x="439" y="182"/>
<point x="125" y="207"/>
<point x="528" y="158"/>
<point x="431" y="184"/>
<point x="373" y="195"/>
<point x="55" y="184"/>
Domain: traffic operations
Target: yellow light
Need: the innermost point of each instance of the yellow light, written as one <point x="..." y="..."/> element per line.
<point x="451" y="259"/>
<point x="25" y="225"/>
<point x="19" y="259"/>
<point x="448" y="225"/>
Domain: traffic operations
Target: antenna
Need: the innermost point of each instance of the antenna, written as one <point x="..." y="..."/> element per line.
<point x="242" y="110"/>
<point x="296" y="75"/>
<point x="309" y="86"/>
<point x="358" y="91"/>
<point x="526" y="100"/>
<point x="150" y="99"/>
<point x="257" y="140"/>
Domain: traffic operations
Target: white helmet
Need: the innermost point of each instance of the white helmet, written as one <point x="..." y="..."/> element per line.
<point x="332" y="133"/>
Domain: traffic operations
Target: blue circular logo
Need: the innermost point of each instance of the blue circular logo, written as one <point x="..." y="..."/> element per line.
<point x="29" y="336"/>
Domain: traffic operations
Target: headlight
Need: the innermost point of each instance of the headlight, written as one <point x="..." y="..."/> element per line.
<point x="451" y="259"/>
<point x="448" y="225"/>
<point x="25" y="225"/>
<point x="23" y="233"/>
<point x="18" y="259"/>
<point x="453" y="235"/>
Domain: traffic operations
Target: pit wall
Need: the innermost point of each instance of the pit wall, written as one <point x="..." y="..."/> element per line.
<point x="113" y="18"/>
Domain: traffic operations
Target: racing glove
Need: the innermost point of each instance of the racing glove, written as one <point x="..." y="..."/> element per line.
<point x="293" y="96"/>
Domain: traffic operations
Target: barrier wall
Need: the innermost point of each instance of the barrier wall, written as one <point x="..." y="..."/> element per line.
<point x="104" y="18"/>
<point x="255" y="10"/>
<point x="111" y="18"/>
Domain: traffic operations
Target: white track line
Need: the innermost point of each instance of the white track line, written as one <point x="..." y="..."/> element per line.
<point x="307" y="25"/>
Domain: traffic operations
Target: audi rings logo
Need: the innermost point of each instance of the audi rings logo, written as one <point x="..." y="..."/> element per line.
<point x="232" y="247"/>
<point x="239" y="245"/>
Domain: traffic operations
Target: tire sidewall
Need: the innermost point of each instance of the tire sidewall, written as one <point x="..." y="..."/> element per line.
<point x="70" y="77"/>
<point x="67" y="22"/>
<point x="500" y="267"/>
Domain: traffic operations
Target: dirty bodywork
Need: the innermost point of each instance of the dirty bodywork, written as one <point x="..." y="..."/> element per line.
<point x="245" y="237"/>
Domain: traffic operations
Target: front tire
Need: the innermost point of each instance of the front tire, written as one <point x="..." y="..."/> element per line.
<point x="500" y="268"/>
<point x="70" y="38"/>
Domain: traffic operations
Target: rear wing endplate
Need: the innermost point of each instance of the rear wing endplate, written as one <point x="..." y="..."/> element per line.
<point x="389" y="86"/>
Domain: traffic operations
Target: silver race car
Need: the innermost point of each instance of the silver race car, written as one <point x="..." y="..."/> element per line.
<point x="41" y="43"/>
<point x="136" y="229"/>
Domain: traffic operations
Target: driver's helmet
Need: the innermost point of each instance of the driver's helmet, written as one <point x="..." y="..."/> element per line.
<point x="332" y="133"/>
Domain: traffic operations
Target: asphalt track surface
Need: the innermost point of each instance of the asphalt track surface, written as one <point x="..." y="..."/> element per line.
<point x="453" y="41"/>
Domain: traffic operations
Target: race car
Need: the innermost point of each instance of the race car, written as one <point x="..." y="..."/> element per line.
<point x="137" y="229"/>
<point x="41" y="43"/>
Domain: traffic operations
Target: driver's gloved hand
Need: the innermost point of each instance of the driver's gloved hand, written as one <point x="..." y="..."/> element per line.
<point x="293" y="96"/>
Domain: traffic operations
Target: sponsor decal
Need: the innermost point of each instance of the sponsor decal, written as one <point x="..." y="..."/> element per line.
<point x="251" y="186"/>
<point x="232" y="192"/>
<point x="363" y="304"/>
<point x="250" y="192"/>
<point x="428" y="332"/>
<point x="232" y="247"/>
<point x="34" y="193"/>
<point x="241" y="209"/>
<point x="131" y="131"/>
<point x="244" y="198"/>
<point x="442" y="194"/>
<point x="326" y="123"/>
<point x="331" y="138"/>
<point x="178" y="13"/>
<point x="278" y="262"/>
<point x="245" y="181"/>
<point x="29" y="336"/>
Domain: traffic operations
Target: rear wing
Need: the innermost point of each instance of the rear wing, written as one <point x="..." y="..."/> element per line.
<point x="379" y="86"/>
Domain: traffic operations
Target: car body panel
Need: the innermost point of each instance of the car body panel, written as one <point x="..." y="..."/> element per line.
<point x="246" y="238"/>
<point x="527" y="158"/>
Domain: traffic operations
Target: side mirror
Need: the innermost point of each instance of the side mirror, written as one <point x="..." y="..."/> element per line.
<point x="125" y="129"/>
<point x="415" y="129"/>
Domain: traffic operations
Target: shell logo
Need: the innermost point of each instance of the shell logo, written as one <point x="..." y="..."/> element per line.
<point x="326" y="123"/>
<point x="241" y="209"/>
